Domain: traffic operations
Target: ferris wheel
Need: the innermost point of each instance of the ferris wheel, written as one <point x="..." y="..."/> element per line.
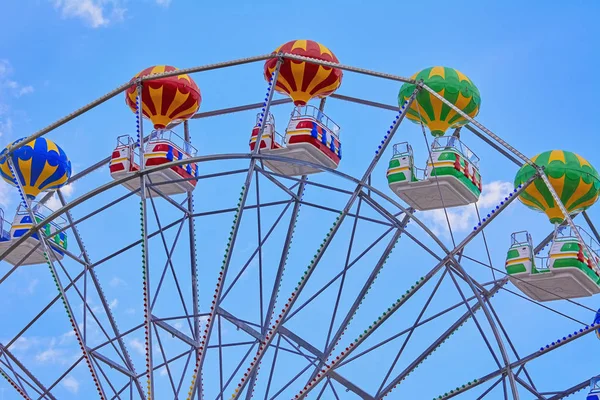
<point x="289" y="269"/>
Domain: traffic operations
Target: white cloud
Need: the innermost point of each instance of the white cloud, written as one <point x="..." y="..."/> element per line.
<point x="14" y="87"/>
<point x="47" y="355"/>
<point x="67" y="337"/>
<point x="68" y="190"/>
<point x="493" y="193"/>
<point x="95" y="13"/>
<point x="163" y="371"/>
<point x="6" y="196"/>
<point x="9" y="86"/>
<point x="113" y="304"/>
<point x="23" y="344"/>
<point x="138" y="346"/>
<point x="32" y="285"/>
<point x="463" y="219"/>
<point x="52" y="355"/>
<point x="6" y="126"/>
<point x="25" y="90"/>
<point x="163" y="3"/>
<point x="5" y="68"/>
<point x="71" y="384"/>
<point x="47" y="350"/>
<point x="178" y="325"/>
<point x="130" y="311"/>
<point x="116" y="282"/>
<point x="53" y="203"/>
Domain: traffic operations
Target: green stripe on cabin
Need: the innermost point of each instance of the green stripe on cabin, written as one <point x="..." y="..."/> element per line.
<point x="450" y="171"/>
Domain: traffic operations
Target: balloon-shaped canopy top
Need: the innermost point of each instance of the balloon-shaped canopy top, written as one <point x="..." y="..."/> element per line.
<point x="303" y="81"/>
<point x="165" y="100"/>
<point x="39" y="166"/>
<point x="573" y="178"/>
<point x="436" y="115"/>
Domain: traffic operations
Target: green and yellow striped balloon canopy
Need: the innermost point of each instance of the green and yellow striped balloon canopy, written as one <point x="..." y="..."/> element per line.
<point x="451" y="84"/>
<point x="573" y="178"/>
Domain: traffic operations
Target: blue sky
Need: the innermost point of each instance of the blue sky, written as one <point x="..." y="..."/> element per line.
<point x="533" y="64"/>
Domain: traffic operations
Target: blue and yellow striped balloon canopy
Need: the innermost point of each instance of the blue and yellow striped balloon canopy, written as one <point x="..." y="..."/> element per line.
<point x="39" y="166"/>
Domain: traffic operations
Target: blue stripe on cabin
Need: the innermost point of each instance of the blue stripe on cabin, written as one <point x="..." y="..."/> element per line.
<point x="314" y="132"/>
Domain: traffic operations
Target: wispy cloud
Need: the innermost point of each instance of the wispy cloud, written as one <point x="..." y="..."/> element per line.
<point x="67" y="337"/>
<point x="116" y="282"/>
<point x="95" y="13"/>
<point x="25" y="90"/>
<point x="47" y="350"/>
<point x="5" y="68"/>
<point x="68" y="190"/>
<point x="7" y="192"/>
<point x="163" y="3"/>
<point x="9" y="88"/>
<point x="6" y="126"/>
<point x="23" y="343"/>
<point x="52" y="355"/>
<point x="32" y="285"/>
<point x="113" y="304"/>
<point x="463" y="219"/>
<point x="71" y="384"/>
<point x="138" y="346"/>
<point x="10" y="85"/>
<point x="53" y="203"/>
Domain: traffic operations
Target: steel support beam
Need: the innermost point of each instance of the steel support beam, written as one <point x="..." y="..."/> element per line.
<point x="294" y="296"/>
<point x="101" y="295"/>
<point x="175" y="332"/>
<point x="18" y="363"/>
<point x="49" y="255"/>
<point x="571" y="390"/>
<point x="301" y="342"/>
<point x="111" y="363"/>
<point x="193" y="258"/>
<point x="446" y="260"/>
<point x="459" y="322"/>
<point x="363" y="292"/>
<point x="223" y="274"/>
<point x="279" y="276"/>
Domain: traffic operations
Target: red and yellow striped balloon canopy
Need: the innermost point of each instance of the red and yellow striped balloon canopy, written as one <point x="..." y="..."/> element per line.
<point x="303" y="81"/>
<point x="165" y="100"/>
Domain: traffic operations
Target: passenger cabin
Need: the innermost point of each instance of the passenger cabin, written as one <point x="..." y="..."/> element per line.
<point x="451" y="178"/>
<point x="163" y="146"/>
<point x="270" y="139"/>
<point x="31" y="252"/>
<point x="567" y="271"/>
<point x="594" y="393"/>
<point x="310" y="136"/>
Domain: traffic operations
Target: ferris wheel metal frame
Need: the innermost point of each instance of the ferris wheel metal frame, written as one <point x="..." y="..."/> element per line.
<point x="324" y="363"/>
